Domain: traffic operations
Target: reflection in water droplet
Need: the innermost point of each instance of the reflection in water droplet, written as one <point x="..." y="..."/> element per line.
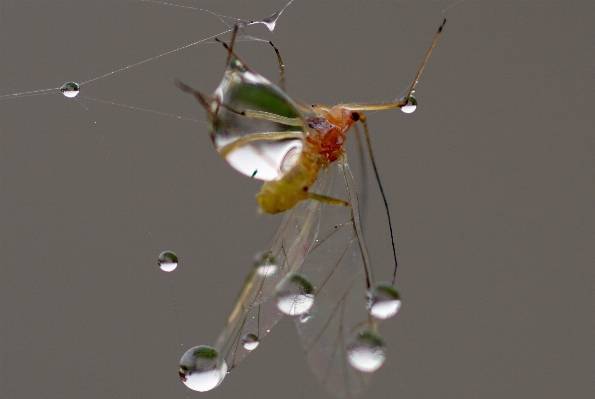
<point x="70" y="89"/>
<point x="265" y="264"/>
<point x="202" y="368"/>
<point x="305" y="317"/>
<point x="295" y="295"/>
<point x="271" y="21"/>
<point x="250" y="341"/>
<point x="383" y="301"/>
<point x="167" y="261"/>
<point x="411" y="105"/>
<point x="366" y="352"/>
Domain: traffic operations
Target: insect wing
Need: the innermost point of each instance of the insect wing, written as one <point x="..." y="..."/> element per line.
<point x="338" y="267"/>
<point x="255" y="311"/>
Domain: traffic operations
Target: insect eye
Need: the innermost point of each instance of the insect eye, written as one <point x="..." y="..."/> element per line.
<point x="355" y="116"/>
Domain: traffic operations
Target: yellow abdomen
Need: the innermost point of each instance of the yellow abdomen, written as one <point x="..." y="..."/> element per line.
<point x="281" y="195"/>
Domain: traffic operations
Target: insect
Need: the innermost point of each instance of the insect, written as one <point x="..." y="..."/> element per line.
<point x="317" y="268"/>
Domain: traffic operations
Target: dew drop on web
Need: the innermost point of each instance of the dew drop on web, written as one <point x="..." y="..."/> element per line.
<point x="167" y="261"/>
<point x="70" y="89"/>
<point x="202" y="368"/>
<point x="410" y="106"/>
<point x="366" y="352"/>
<point x="250" y="341"/>
<point x="271" y="21"/>
<point x="295" y="295"/>
<point x="384" y="301"/>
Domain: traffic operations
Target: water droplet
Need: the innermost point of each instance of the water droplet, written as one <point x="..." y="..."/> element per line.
<point x="202" y="368"/>
<point x="271" y="21"/>
<point x="265" y="264"/>
<point x="70" y="89"/>
<point x="366" y="352"/>
<point x="167" y="261"/>
<point x="411" y="105"/>
<point x="266" y="141"/>
<point x="295" y="295"/>
<point x="384" y="301"/>
<point x="305" y="317"/>
<point x="250" y="341"/>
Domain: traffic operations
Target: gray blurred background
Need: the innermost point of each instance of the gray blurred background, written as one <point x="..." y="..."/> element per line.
<point x="490" y="182"/>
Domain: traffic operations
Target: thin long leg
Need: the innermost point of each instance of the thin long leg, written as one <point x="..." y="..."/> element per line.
<point x="203" y="99"/>
<point x="281" y="67"/>
<point x="423" y="64"/>
<point x="265" y="136"/>
<point x="394" y="104"/>
<point x="272" y="117"/>
<point x="364" y="172"/>
<point x="390" y="225"/>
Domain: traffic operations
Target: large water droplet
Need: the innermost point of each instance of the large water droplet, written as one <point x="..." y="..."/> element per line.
<point x="267" y="141"/>
<point x="70" y="89"/>
<point x="265" y="264"/>
<point x="383" y="301"/>
<point x="366" y="352"/>
<point x="202" y="368"/>
<point x="168" y="261"/>
<point x="250" y="341"/>
<point x="410" y="106"/>
<point x="295" y="295"/>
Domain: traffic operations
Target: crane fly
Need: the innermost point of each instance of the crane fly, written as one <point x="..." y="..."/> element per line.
<point x="317" y="268"/>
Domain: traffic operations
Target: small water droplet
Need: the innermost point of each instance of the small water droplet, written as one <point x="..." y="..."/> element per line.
<point x="295" y="295"/>
<point x="70" y="89"/>
<point x="265" y="264"/>
<point x="411" y="105"/>
<point x="384" y="301"/>
<point x="366" y="352"/>
<point x="167" y="261"/>
<point x="202" y="368"/>
<point x="305" y="317"/>
<point x="271" y="21"/>
<point x="250" y="341"/>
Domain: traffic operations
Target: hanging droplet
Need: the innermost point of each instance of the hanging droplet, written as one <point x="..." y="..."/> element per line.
<point x="167" y="261"/>
<point x="366" y="352"/>
<point x="271" y="21"/>
<point x="295" y="295"/>
<point x="262" y="146"/>
<point x="202" y="368"/>
<point x="70" y="89"/>
<point x="250" y="341"/>
<point x="384" y="301"/>
<point x="410" y="106"/>
<point x="265" y="264"/>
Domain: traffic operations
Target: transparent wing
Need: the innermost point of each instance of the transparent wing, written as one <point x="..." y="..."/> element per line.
<point x="324" y="243"/>
<point x="339" y="268"/>
<point x="255" y="311"/>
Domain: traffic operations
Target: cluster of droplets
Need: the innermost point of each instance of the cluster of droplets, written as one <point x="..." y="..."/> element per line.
<point x="203" y="368"/>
